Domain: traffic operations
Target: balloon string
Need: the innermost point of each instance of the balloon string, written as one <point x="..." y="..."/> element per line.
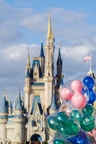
<point x="90" y="62"/>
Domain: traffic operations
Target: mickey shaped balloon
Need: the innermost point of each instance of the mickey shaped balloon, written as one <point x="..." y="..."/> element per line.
<point x="89" y="82"/>
<point x="87" y="121"/>
<point x="78" y="100"/>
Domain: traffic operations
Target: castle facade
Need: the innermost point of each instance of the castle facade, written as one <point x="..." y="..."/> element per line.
<point x="26" y="122"/>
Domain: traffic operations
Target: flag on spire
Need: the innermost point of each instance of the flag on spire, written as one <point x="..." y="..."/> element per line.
<point x="87" y="58"/>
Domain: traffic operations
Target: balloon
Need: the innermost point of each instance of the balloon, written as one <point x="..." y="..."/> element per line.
<point x="89" y="82"/>
<point x="53" y="123"/>
<point x="58" y="141"/>
<point x="76" y="86"/>
<point x="87" y="110"/>
<point x="72" y="128"/>
<point x="78" y="100"/>
<point x="92" y="97"/>
<point x="61" y="130"/>
<point x="66" y="107"/>
<point x="80" y="138"/>
<point x="75" y="115"/>
<point x="85" y="92"/>
<point x="66" y="93"/>
<point x="87" y="123"/>
<point x="62" y="118"/>
<point x="94" y="133"/>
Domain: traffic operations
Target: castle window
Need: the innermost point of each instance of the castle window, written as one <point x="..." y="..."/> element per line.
<point x="40" y="123"/>
<point x="48" y="73"/>
<point x="33" y="123"/>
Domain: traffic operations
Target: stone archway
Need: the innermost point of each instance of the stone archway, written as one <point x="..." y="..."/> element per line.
<point x="36" y="139"/>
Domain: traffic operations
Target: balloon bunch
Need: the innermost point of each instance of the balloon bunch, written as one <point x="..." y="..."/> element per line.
<point x="74" y="122"/>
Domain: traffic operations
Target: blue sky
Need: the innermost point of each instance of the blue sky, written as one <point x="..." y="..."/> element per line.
<point x="23" y="23"/>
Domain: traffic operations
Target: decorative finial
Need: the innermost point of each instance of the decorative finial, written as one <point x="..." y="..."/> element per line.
<point x="28" y="61"/>
<point x="4" y="93"/>
<point x="19" y="89"/>
<point x="50" y="32"/>
<point x="59" y="43"/>
<point x="41" y="41"/>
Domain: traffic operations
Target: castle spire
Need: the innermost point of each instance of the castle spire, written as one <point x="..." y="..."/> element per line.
<point x="19" y="103"/>
<point x="59" y="53"/>
<point x="50" y="32"/>
<point x="42" y="50"/>
<point x="28" y="61"/>
<point x="53" y="105"/>
<point x="59" y="60"/>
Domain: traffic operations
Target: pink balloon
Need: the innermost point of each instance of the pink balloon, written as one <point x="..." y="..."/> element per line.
<point x="76" y="86"/>
<point x="66" y="93"/>
<point x="92" y="133"/>
<point x="84" y="103"/>
<point x="78" y="100"/>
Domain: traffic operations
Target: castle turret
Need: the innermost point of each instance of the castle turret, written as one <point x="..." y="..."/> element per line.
<point x="59" y="68"/>
<point x="59" y="78"/>
<point x="49" y="64"/>
<point x="19" y="121"/>
<point x="27" y="83"/>
<point x="3" y="118"/>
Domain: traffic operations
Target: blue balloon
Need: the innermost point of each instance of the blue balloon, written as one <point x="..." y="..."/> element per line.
<point x="80" y="138"/>
<point x="89" y="82"/>
<point x="92" y="97"/>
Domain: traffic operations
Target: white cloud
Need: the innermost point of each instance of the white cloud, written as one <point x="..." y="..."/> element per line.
<point x="78" y="38"/>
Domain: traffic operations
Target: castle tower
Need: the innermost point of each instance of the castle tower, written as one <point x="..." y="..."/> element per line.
<point x="3" y="119"/>
<point x="27" y="84"/>
<point x="19" y="129"/>
<point x="59" y="77"/>
<point x="59" y="68"/>
<point x="49" y="65"/>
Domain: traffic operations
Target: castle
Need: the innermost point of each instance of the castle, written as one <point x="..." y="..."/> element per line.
<point x="26" y="122"/>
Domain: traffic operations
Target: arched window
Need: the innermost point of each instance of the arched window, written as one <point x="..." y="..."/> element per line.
<point x="33" y="123"/>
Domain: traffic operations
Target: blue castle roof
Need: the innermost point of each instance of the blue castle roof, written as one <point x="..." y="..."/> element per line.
<point x="53" y="103"/>
<point x="42" y="50"/>
<point x="27" y="75"/>
<point x="59" y="60"/>
<point x="37" y="63"/>
<point x="19" y="103"/>
<point x="4" y="106"/>
<point x="36" y="101"/>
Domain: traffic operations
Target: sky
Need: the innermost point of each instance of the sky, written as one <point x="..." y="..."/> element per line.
<point x="23" y="24"/>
